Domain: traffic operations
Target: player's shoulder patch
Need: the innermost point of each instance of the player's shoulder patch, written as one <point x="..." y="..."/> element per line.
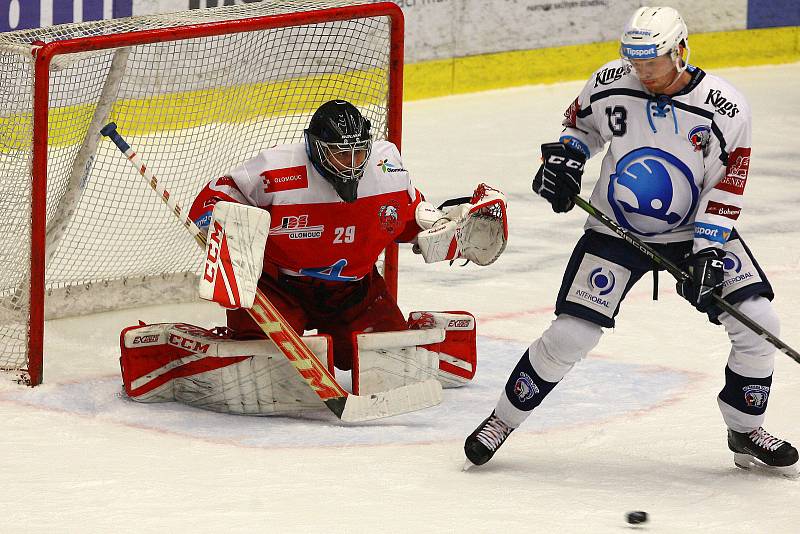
<point x="281" y="168"/>
<point x="385" y="172"/>
<point x="386" y="150"/>
<point x="386" y="158"/>
<point x="721" y="97"/>
<point x="609" y="74"/>
<point x="285" y="179"/>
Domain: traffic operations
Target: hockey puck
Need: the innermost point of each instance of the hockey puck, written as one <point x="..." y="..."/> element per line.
<point x="636" y="518"/>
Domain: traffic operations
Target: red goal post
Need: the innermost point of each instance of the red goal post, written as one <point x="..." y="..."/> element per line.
<point x="198" y="92"/>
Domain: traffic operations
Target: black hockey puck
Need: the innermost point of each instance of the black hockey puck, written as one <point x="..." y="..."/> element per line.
<point x="636" y="518"/>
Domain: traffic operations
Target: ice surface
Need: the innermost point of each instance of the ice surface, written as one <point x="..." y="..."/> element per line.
<point x="634" y="427"/>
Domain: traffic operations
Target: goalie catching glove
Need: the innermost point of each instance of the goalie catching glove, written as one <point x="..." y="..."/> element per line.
<point x="475" y="229"/>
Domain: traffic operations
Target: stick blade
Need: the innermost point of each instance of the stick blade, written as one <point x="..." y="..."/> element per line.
<point x="395" y="401"/>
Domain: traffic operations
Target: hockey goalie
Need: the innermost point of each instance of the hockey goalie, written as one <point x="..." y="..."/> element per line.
<point x="329" y="206"/>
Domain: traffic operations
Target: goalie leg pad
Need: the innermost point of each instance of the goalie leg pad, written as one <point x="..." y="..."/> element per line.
<point x="458" y="353"/>
<point x="194" y="366"/>
<point x="387" y="360"/>
<point x="257" y="385"/>
<point x="439" y="345"/>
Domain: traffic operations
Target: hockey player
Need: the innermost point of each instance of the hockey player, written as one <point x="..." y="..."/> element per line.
<point x="336" y="201"/>
<point x="674" y="175"/>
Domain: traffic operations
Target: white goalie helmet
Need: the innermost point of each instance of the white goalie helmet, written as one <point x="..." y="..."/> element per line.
<point x="653" y="32"/>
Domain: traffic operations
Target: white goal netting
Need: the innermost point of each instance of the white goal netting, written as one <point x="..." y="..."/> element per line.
<point x="192" y="107"/>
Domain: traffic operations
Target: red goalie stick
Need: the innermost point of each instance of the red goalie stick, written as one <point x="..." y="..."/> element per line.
<point x="346" y="406"/>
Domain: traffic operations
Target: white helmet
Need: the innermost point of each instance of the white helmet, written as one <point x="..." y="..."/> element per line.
<point x="653" y="32"/>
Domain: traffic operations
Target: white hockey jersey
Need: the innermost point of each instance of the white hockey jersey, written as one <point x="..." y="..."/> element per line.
<point x="676" y="167"/>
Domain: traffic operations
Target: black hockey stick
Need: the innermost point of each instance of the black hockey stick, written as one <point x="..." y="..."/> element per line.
<point x="681" y="276"/>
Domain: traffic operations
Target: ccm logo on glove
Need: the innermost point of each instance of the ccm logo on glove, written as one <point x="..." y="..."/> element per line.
<point x="571" y="163"/>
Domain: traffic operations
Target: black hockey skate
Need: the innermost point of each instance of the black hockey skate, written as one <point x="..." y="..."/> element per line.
<point x="481" y="445"/>
<point x="758" y="449"/>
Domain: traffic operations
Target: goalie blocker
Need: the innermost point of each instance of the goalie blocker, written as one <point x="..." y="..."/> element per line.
<point x="211" y="370"/>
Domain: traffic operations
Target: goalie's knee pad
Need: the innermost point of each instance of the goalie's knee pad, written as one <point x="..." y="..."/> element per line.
<point x="751" y="354"/>
<point x="201" y="368"/>
<point x="567" y="341"/>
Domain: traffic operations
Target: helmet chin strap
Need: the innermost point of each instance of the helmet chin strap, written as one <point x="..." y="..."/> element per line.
<point x="680" y="65"/>
<point x="677" y="57"/>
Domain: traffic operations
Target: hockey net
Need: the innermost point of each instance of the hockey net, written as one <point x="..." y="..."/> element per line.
<point x="196" y="93"/>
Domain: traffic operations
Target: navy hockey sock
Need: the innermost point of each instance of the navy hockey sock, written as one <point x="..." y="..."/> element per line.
<point x="526" y="389"/>
<point x="748" y="395"/>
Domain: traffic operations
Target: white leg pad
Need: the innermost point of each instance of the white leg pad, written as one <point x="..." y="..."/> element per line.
<point x="439" y="345"/>
<point x="458" y="353"/>
<point x="191" y="365"/>
<point x="387" y="360"/>
<point x="258" y="385"/>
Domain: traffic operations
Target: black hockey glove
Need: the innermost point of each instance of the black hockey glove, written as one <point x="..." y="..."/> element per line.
<point x="559" y="177"/>
<point x="706" y="274"/>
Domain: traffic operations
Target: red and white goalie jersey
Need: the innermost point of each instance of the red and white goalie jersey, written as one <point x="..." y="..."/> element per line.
<point x="313" y="232"/>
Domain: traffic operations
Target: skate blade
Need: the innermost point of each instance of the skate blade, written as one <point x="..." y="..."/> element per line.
<point x="750" y="463"/>
<point x="467" y="465"/>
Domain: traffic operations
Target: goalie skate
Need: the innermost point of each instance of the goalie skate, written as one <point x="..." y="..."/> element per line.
<point x="761" y="452"/>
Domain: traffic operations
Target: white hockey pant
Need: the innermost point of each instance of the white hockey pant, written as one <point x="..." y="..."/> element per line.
<point x="566" y="341"/>
<point x="751" y="355"/>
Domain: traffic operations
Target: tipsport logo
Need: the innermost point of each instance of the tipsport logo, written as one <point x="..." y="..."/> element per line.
<point x="27" y="14"/>
<point x="711" y="232"/>
<point x="639" y="51"/>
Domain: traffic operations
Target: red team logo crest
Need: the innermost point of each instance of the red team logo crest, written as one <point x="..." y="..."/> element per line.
<point x="700" y="136"/>
<point x="420" y="320"/>
<point x="389" y="217"/>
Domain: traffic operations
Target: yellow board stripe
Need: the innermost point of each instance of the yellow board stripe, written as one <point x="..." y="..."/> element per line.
<point x="550" y="65"/>
<point x="190" y="109"/>
<point x="422" y="80"/>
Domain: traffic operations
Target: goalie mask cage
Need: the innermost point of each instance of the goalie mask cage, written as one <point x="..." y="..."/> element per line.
<point x="196" y="93"/>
